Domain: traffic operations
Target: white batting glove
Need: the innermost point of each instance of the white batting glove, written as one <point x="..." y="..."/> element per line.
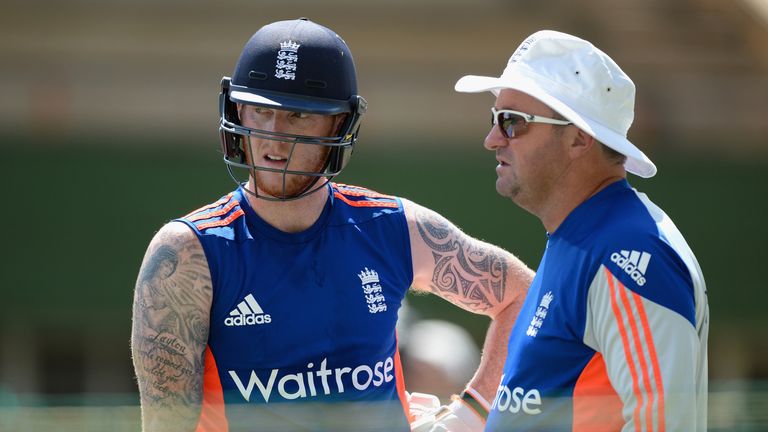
<point x="463" y="414"/>
<point x="422" y="405"/>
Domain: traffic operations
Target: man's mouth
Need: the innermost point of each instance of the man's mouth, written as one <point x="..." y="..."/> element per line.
<point x="274" y="158"/>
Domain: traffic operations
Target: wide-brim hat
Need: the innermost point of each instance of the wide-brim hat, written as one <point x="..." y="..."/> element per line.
<point x="580" y="82"/>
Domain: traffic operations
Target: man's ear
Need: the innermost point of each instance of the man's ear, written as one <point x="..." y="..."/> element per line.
<point x="582" y="143"/>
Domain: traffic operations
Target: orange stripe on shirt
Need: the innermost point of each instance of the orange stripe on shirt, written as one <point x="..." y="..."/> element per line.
<point x="221" y="201"/>
<point x="213" y="417"/>
<point x="596" y="405"/>
<point x="400" y="383"/>
<point x="215" y="213"/>
<point x="627" y="348"/>
<point x="640" y="355"/>
<point x="222" y="222"/>
<point x="389" y="204"/>
<point x="654" y="359"/>
<point x="358" y="191"/>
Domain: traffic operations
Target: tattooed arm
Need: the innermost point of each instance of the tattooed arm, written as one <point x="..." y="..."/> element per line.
<point x="473" y="275"/>
<point x="171" y="313"/>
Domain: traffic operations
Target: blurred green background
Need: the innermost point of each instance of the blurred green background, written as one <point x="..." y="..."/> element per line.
<point x="108" y="131"/>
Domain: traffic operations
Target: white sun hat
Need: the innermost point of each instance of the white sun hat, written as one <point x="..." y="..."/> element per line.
<point x="577" y="80"/>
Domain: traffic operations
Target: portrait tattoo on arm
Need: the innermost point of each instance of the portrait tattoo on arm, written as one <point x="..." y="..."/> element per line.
<point x="467" y="272"/>
<point x="170" y="331"/>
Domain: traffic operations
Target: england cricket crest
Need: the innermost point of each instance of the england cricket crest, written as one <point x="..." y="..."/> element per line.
<point x="541" y="313"/>
<point x="372" y="291"/>
<point x="287" y="58"/>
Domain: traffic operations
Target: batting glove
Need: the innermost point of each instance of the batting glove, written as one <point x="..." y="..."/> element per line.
<point x="465" y="413"/>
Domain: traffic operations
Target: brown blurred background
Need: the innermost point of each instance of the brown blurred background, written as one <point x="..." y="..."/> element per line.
<point x="108" y="129"/>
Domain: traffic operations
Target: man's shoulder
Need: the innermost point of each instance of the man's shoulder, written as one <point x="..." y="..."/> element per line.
<point x="363" y="203"/>
<point x="175" y="234"/>
<point x="362" y="196"/>
<point x="218" y="217"/>
<point x="637" y="248"/>
<point x="215" y="208"/>
<point x="623" y="218"/>
<point x="629" y="241"/>
<point x="174" y="250"/>
<point x="635" y="223"/>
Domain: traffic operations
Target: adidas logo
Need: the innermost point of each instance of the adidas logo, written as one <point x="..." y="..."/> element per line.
<point x="633" y="263"/>
<point x="247" y="312"/>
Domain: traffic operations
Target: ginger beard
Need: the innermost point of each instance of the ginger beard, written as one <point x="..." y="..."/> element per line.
<point x="275" y="155"/>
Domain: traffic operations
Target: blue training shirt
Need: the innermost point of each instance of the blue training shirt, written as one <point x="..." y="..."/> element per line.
<point x="613" y="333"/>
<point x="305" y="317"/>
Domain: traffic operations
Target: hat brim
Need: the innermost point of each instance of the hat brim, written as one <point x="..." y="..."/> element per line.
<point x="289" y="102"/>
<point x="637" y="162"/>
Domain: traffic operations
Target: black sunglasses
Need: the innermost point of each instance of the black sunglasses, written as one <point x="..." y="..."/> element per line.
<point x="515" y="123"/>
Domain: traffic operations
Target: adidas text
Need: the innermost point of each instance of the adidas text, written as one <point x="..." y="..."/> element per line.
<point x="247" y="312"/>
<point x="634" y="264"/>
<point x="243" y="320"/>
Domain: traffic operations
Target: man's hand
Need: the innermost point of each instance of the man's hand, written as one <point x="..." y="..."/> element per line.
<point x="461" y="415"/>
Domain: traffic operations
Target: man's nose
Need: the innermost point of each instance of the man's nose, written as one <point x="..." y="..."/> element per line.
<point x="494" y="139"/>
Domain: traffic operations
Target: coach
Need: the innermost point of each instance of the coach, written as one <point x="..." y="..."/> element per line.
<point x="613" y="333"/>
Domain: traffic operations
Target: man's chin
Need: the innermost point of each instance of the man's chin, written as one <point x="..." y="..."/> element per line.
<point x="274" y="189"/>
<point x="507" y="190"/>
<point x="277" y="192"/>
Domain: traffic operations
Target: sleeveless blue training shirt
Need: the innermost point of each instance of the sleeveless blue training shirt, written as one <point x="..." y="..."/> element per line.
<point x="305" y="317"/>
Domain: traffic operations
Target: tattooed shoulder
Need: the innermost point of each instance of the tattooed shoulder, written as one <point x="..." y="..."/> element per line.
<point x="467" y="272"/>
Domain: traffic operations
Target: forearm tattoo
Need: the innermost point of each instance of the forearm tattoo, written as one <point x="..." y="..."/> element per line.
<point x="170" y="330"/>
<point x="467" y="272"/>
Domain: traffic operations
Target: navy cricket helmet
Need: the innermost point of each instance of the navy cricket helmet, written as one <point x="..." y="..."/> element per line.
<point x="298" y="66"/>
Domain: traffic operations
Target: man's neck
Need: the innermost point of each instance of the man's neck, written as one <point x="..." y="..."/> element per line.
<point x="290" y="216"/>
<point x="571" y="195"/>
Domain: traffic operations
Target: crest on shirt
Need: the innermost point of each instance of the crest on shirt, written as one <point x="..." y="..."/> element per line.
<point x="541" y="312"/>
<point x="287" y="58"/>
<point x="371" y="285"/>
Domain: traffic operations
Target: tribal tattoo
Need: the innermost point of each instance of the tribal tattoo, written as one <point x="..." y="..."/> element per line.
<point x="170" y="329"/>
<point x="468" y="272"/>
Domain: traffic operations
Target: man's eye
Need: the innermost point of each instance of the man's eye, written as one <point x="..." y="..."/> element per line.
<point x="300" y="115"/>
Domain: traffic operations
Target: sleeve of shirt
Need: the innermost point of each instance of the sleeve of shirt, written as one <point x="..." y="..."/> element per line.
<point x="651" y="348"/>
